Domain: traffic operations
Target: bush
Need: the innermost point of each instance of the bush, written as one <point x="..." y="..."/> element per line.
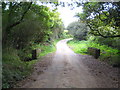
<point x="13" y="68"/>
<point x="113" y="42"/>
<point x="115" y="59"/>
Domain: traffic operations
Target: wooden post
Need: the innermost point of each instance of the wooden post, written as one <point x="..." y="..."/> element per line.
<point x="97" y="53"/>
<point x="34" y="54"/>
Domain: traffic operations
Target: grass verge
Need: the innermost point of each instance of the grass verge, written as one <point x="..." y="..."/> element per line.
<point x="107" y="54"/>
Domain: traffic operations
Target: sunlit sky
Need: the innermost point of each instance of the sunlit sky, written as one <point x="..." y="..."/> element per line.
<point x="67" y="14"/>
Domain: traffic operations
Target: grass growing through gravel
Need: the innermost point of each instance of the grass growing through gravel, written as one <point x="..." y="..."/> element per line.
<point x="108" y="54"/>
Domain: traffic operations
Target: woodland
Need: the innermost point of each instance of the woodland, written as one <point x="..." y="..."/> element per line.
<point x="27" y="26"/>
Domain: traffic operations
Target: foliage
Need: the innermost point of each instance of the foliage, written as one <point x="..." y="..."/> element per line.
<point x="66" y="34"/>
<point x="78" y="30"/>
<point x="26" y="26"/>
<point x="78" y="46"/>
<point x="58" y="27"/>
<point x="30" y="24"/>
<point x="108" y="54"/>
<point x="102" y="18"/>
<point x="36" y="24"/>
<point x="45" y="48"/>
<point x="14" y="69"/>
<point x="112" y="42"/>
<point x="12" y="16"/>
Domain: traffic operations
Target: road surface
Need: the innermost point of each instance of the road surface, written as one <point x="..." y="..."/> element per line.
<point x="66" y="69"/>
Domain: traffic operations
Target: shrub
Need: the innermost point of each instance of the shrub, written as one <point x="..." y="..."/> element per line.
<point x="13" y="68"/>
<point x="113" y="42"/>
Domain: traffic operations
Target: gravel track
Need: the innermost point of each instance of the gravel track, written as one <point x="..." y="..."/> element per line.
<point x="66" y="69"/>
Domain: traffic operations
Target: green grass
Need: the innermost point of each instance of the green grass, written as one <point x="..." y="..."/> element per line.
<point x="15" y="69"/>
<point x="78" y="46"/>
<point x="108" y="54"/>
<point x="45" y="49"/>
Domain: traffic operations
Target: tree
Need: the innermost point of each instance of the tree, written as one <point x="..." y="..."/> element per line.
<point x="78" y="30"/>
<point x="25" y="23"/>
<point x="12" y="16"/>
<point x="57" y="27"/>
<point x="103" y="18"/>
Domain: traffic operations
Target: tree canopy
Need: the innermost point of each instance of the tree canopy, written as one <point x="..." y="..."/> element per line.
<point x="103" y="18"/>
<point x="25" y="23"/>
<point x="78" y="30"/>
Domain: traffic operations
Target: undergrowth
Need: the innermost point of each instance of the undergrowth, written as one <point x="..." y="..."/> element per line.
<point x="15" y="69"/>
<point x="108" y="54"/>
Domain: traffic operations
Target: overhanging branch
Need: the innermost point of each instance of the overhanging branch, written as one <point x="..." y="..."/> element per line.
<point x="99" y="34"/>
<point x="18" y="22"/>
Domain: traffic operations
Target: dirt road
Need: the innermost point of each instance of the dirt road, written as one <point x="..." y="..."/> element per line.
<point x="66" y="69"/>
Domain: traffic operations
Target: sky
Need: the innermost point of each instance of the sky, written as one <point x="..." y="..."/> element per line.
<point x="66" y="14"/>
